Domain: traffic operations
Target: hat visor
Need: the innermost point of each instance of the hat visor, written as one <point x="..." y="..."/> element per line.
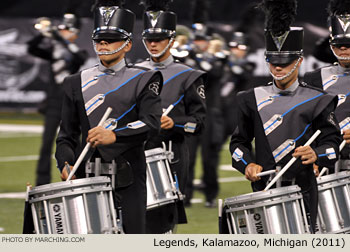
<point x="109" y="35"/>
<point x="156" y="35"/>
<point x="281" y="59"/>
<point x="340" y="41"/>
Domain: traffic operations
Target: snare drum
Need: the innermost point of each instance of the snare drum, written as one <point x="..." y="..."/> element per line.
<point x="276" y="211"/>
<point x="334" y="203"/>
<point x="161" y="188"/>
<point x="81" y="206"/>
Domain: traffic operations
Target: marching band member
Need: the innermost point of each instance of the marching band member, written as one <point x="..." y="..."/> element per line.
<point x="283" y="115"/>
<point x="57" y="46"/>
<point x="133" y="94"/>
<point x="335" y="78"/>
<point x="213" y="63"/>
<point x="183" y="88"/>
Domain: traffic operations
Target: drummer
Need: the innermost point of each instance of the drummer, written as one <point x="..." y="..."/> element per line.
<point x="133" y="94"/>
<point x="335" y="78"/>
<point x="184" y="89"/>
<point x="284" y="114"/>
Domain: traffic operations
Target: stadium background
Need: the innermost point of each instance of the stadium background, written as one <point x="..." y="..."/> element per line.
<point x="23" y="78"/>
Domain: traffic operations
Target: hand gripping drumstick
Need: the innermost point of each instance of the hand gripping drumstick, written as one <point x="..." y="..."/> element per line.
<point x="289" y="164"/>
<point x="88" y="145"/>
<point x="266" y="173"/>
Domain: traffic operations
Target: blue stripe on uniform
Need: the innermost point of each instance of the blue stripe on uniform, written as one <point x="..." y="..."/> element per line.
<point x="241" y="158"/>
<point x="296" y="139"/>
<point x="120" y="117"/>
<point x="342" y="75"/>
<point x="261" y="103"/>
<point x="93" y="80"/>
<point x="113" y="90"/>
<point x="295" y="106"/>
<point x="187" y="70"/>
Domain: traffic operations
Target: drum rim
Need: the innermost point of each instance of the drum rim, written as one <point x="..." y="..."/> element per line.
<point x="155" y="151"/>
<point x="161" y="203"/>
<point x="333" y="177"/>
<point x="236" y="208"/>
<point x="275" y="192"/>
<point x="69" y="184"/>
<point x="33" y="199"/>
<point x="341" y="231"/>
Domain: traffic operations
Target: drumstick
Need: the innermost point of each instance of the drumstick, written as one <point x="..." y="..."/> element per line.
<point x="266" y="173"/>
<point x="342" y="145"/>
<point x="220" y="215"/>
<point x="324" y="170"/>
<point x="88" y="145"/>
<point x="289" y="164"/>
<point x="171" y="106"/>
<point x="167" y="111"/>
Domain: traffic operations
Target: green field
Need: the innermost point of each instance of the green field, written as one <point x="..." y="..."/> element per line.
<point x="16" y="173"/>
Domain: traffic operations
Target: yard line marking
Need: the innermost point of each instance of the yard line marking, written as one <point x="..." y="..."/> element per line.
<point x="2" y="229"/>
<point x="22" y="128"/>
<point x="18" y="195"/>
<point x="227" y="167"/>
<point x="196" y="200"/>
<point x="223" y="180"/>
<point x="19" y="158"/>
<point x="17" y="135"/>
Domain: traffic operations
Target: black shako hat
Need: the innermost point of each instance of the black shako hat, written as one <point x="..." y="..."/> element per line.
<point x="339" y="22"/>
<point x="112" y="21"/>
<point x="70" y="22"/>
<point x="200" y="17"/>
<point x="158" y="21"/>
<point x="284" y="44"/>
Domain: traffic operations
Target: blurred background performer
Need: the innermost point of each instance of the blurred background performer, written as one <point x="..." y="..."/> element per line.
<point x="133" y="94"/>
<point x="283" y="115"/>
<point x="184" y="88"/>
<point x="335" y="79"/>
<point x="237" y="73"/>
<point x="206" y="57"/>
<point x="56" y="45"/>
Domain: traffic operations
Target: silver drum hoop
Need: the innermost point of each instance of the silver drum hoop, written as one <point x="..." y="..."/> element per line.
<point x="80" y="206"/>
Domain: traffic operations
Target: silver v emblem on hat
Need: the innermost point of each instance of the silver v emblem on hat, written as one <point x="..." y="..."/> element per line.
<point x="279" y="41"/>
<point x="153" y="16"/>
<point x="107" y="13"/>
<point x="344" y="22"/>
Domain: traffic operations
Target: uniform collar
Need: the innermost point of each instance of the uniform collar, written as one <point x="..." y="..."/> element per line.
<point x="288" y="91"/>
<point x="341" y="69"/>
<point x="163" y="64"/>
<point x="113" y="69"/>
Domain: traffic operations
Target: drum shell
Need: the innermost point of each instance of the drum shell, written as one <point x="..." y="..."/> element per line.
<point x="160" y="184"/>
<point x="276" y="211"/>
<point x="78" y="206"/>
<point x="334" y="203"/>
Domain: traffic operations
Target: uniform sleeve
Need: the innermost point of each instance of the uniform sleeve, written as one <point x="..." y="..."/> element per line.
<point x="193" y="121"/>
<point x="328" y="142"/>
<point x="148" y="105"/>
<point x="69" y="134"/>
<point x="35" y="49"/>
<point x="242" y="137"/>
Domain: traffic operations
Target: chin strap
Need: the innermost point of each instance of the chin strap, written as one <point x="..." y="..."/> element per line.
<point x="288" y="74"/>
<point x="339" y="57"/>
<point x="157" y="55"/>
<point x="112" y="52"/>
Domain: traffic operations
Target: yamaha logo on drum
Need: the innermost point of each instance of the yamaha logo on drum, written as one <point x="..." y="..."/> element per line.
<point x="258" y="224"/>
<point x="56" y="208"/>
<point x="57" y="219"/>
